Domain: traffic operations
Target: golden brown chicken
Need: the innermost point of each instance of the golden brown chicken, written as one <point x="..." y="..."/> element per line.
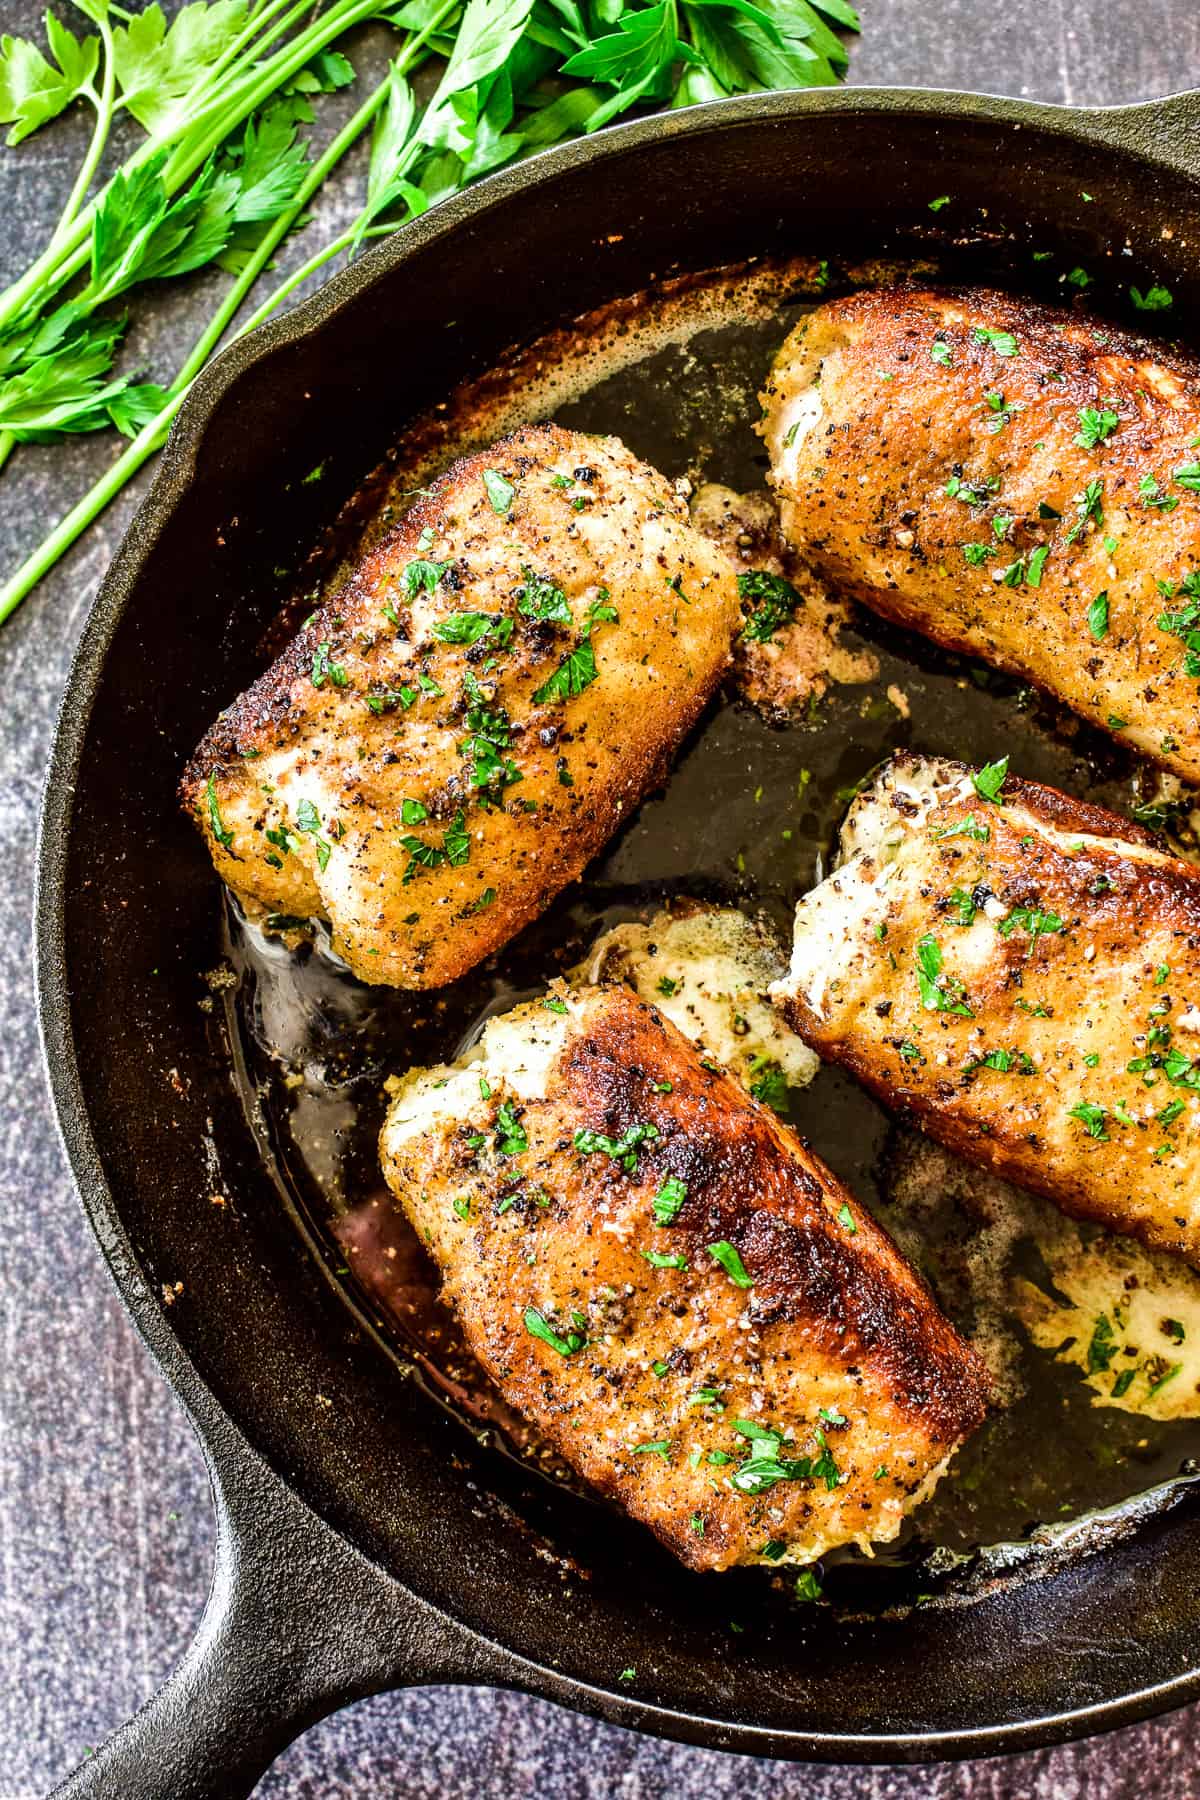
<point x="1019" y="972"/>
<point x="456" y="733"/>
<point x="1014" y="481"/>
<point x="687" y="1303"/>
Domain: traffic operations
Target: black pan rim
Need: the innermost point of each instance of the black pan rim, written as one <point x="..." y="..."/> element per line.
<point x="1134" y="129"/>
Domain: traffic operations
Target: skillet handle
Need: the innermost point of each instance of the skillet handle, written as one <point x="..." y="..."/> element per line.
<point x="297" y="1624"/>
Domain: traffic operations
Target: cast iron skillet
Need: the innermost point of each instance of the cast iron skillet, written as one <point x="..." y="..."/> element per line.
<point x="364" y="1540"/>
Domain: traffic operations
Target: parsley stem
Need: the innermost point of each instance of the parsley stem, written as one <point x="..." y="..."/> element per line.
<point x="103" y="103"/>
<point x="190" y="143"/>
<point x="153" y="434"/>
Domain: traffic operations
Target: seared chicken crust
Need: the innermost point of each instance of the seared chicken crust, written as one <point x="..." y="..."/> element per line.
<point x="694" y="1311"/>
<point x="1017" y="482"/>
<point x="1020" y="976"/>
<point x="456" y="733"/>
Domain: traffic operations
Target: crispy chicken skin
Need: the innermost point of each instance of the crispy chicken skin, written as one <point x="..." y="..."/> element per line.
<point x="534" y="1171"/>
<point x="983" y="469"/>
<point x="456" y="733"/>
<point x="1021" y="978"/>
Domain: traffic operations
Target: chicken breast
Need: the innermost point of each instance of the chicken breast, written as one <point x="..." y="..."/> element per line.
<point x="1021" y="975"/>
<point x="455" y="734"/>
<point x="692" y="1309"/>
<point x="1017" y="482"/>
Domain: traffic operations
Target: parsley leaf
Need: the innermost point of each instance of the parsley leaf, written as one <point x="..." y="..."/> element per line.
<point x="988" y="782"/>
<point x="669" y="1200"/>
<point x="1091" y="1117"/>
<point x="499" y="491"/>
<point x="939" y="992"/>
<point x="731" y="1262"/>
<point x="1002" y="342"/>
<point x="1096" y="426"/>
<point x="223" y="836"/>
<point x="576" y="671"/>
<point x="536" y="1325"/>
<point x="1154" y="299"/>
<point x="622" y="1150"/>
<point x="1097" y="617"/>
<point x="34" y="91"/>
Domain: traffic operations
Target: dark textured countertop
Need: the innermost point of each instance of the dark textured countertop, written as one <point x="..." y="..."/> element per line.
<point x="105" y="1527"/>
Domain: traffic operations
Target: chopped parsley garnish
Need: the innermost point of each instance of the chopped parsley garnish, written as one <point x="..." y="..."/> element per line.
<point x="777" y="602"/>
<point x="772" y="1550"/>
<point x="659" y="1447"/>
<point x="323" y="670"/>
<point x="490" y="770"/>
<point x="662" y="1259"/>
<point x="771" y="1086"/>
<point x="1030" y="919"/>
<point x="1096" y="426"/>
<point x="1189" y="477"/>
<point x="221" y="832"/>
<point x="412" y="812"/>
<point x="1003" y="1061"/>
<point x="968" y="827"/>
<point x="308" y="819"/>
<point x="510" y="1133"/>
<point x="1155" y="496"/>
<point x="1097" y="617"/>
<point x="669" y="1200"/>
<point x="383" y="702"/>
<point x="808" y="1588"/>
<point x="764" y="1466"/>
<point x="963" y="905"/>
<point x="934" y="206"/>
<point x="1088" y="505"/>
<point x="499" y="491"/>
<point x="668" y="987"/>
<point x="469" y="627"/>
<point x="939" y="352"/>
<point x="421" y="573"/>
<point x="731" y="1262"/>
<point x="623" y="1150"/>
<point x="972" y="493"/>
<point x="1153" y="299"/>
<point x="1002" y="342"/>
<point x="845" y="1219"/>
<point x="1102" y="1348"/>
<point x="988" y="782"/>
<point x="1162" y="1380"/>
<point x="1091" y="1117"/>
<point x="455" y="849"/>
<point x="1181" y="1071"/>
<point x="976" y="553"/>
<point x="536" y="1326"/>
<point x="1026" y="571"/>
<point x="542" y="599"/>
<point x="939" y="992"/>
<point x="576" y="671"/>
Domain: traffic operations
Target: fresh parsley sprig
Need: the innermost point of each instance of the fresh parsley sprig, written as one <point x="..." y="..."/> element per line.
<point x="224" y="174"/>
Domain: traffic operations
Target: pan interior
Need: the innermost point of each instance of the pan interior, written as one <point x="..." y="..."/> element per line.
<point x="747" y="818"/>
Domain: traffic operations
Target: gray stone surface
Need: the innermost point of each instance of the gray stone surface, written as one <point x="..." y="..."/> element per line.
<point x="105" y="1531"/>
